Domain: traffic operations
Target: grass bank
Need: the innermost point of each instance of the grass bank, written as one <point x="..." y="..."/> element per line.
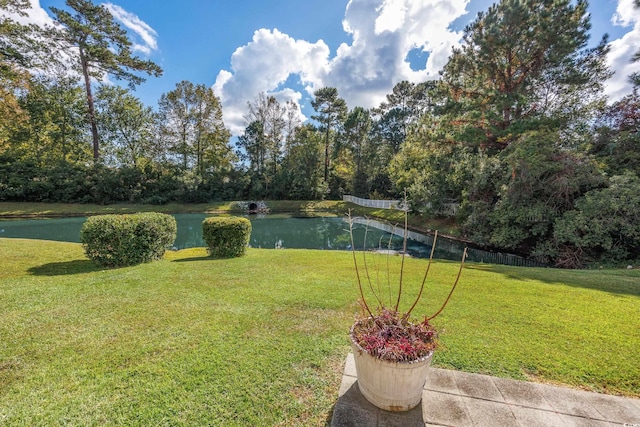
<point x="15" y="209"/>
<point x="260" y="340"/>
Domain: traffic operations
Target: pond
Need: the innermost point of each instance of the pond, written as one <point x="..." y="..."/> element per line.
<point x="278" y="231"/>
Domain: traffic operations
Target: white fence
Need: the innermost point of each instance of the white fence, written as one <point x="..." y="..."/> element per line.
<point x="380" y="204"/>
<point x="448" y="209"/>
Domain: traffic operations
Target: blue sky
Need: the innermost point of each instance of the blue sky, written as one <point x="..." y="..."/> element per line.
<point x="291" y="47"/>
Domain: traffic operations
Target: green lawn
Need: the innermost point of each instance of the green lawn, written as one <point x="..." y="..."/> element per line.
<point x="260" y="340"/>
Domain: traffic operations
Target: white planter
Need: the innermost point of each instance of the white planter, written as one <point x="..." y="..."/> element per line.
<point x="393" y="386"/>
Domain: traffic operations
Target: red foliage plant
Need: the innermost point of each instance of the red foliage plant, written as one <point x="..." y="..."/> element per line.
<point x="388" y="337"/>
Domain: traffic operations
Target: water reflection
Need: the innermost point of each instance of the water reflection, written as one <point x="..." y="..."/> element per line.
<point x="58" y="229"/>
<point x="273" y="231"/>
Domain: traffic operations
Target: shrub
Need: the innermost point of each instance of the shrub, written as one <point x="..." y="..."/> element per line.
<point x="226" y="236"/>
<point x="120" y="240"/>
<point x="605" y="225"/>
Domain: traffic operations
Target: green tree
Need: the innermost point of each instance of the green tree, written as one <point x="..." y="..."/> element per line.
<point x="331" y="110"/>
<point x="267" y="140"/>
<point x="435" y="167"/>
<point x="509" y="125"/>
<point x="524" y="65"/>
<point x="213" y="153"/>
<point x="292" y="122"/>
<point x="126" y="125"/>
<point x="536" y="182"/>
<point x="67" y="108"/>
<point x="404" y="106"/>
<point x="20" y="45"/>
<point x="12" y="115"/>
<point x="302" y="165"/>
<point x="604" y="226"/>
<point x="267" y="114"/>
<point x="15" y="45"/>
<point x="100" y="47"/>
<point x="55" y="131"/>
<point x="392" y="123"/>
<point x="192" y="128"/>
<point x="177" y="129"/>
<point x="357" y="128"/>
<point x="251" y="147"/>
<point x="617" y="136"/>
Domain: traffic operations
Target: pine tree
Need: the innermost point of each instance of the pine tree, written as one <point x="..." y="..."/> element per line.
<point x="100" y="47"/>
<point x="331" y="111"/>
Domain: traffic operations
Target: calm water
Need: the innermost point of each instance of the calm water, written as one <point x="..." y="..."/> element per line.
<point x="275" y="231"/>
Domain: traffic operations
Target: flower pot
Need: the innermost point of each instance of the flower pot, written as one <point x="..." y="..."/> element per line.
<point x="393" y="386"/>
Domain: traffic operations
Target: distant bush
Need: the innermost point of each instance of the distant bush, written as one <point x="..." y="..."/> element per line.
<point x="120" y="240"/>
<point x="226" y="236"/>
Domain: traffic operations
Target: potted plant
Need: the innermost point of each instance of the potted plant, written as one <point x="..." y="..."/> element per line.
<point x="392" y="352"/>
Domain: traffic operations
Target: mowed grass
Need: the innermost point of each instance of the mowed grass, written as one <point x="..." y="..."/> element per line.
<point x="261" y="340"/>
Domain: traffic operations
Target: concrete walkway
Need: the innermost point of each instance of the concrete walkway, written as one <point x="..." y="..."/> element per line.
<point x="453" y="398"/>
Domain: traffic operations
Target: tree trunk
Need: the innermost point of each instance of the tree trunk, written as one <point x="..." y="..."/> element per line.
<point x="91" y="112"/>
<point x="326" y="155"/>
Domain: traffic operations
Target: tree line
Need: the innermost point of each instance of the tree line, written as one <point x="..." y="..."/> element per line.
<point x="517" y="134"/>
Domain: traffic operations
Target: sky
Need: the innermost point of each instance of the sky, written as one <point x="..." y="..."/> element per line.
<point x="290" y="48"/>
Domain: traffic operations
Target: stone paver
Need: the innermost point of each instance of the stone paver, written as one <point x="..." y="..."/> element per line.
<point x="459" y="399"/>
<point x="444" y="409"/>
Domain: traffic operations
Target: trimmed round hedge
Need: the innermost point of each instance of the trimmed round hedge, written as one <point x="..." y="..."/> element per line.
<point x="120" y="240"/>
<point x="226" y="237"/>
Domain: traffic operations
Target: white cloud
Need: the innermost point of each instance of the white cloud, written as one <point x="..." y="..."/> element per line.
<point x="263" y="65"/>
<point x="391" y="16"/>
<point x="619" y="59"/>
<point x="35" y="14"/>
<point x="131" y="21"/>
<point x="622" y="50"/>
<point x="39" y="16"/>
<point x="625" y="13"/>
<point x="383" y="32"/>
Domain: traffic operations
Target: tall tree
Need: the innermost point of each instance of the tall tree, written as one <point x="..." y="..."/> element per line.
<point x="15" y="48"/>
<point x="192" y="127"/>
<point x="56" y="130"/>
<point x="267" y="140"/>
<point x="12" y="115"/>
<point x="251" y="147"/>
<point x="303" y="165"/>
<point x="509" y="125"/>
<point x="213" y="152"/>
<point x="267" y="113"/>
<point x="616" y="141"/>
<point x="331" y="111"/>
<point x="357" y="140"/>
<point x="176" y="121"/>
<point x="403" y="107"/>
<point x="100" y="47"/>
<point x="126" y="124"/>
<point x="292" y="123"/>
<point x="524" y="64"/>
